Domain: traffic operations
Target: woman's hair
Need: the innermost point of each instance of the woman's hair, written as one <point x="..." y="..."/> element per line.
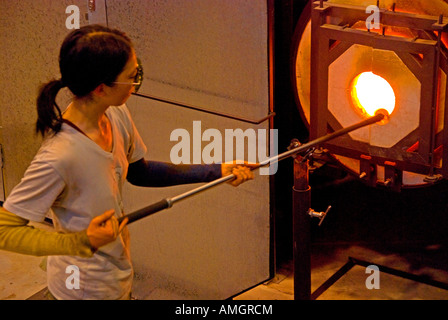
<point x="89" y="56"/>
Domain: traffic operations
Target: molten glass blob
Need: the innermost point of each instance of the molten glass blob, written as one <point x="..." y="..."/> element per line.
<point x="373" y="94"/>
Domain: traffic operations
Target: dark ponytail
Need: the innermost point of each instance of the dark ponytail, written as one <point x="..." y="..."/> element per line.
<point x="49" y="115"/>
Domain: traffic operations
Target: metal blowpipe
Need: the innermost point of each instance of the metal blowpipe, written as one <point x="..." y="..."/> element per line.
<point x="169" y="202"/>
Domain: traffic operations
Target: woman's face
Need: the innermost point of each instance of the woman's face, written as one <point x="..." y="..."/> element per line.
<point x="121" y="91"/>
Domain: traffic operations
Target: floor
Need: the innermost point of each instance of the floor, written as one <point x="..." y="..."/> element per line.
<point x="404" y="231"/>
<point x="429" y="262"/>
<point x="23" y="277"/>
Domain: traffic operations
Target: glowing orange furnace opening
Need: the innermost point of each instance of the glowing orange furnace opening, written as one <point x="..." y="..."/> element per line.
<point x="372" y="94"/>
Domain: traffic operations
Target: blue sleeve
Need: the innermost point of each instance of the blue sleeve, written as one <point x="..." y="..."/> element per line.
<point x="146" y="173"/>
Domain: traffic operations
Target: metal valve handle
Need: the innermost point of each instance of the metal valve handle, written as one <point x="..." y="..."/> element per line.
<point x="320" y="215"/>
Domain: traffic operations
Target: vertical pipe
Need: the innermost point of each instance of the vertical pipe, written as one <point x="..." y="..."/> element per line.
<point x="301" y="231"/>
<point x="435" y="99"/>
<point x="271" y="41"/>
<point x="320" y="45"/>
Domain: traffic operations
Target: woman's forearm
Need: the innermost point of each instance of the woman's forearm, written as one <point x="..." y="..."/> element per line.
<point x="146" y="173"/>
<point x="17" y="236"/>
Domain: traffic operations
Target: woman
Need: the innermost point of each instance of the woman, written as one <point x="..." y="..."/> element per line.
<point x="87" y="153"/>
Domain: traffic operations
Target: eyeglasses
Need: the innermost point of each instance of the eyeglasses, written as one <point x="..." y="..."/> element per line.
<point x="138" y="79"/>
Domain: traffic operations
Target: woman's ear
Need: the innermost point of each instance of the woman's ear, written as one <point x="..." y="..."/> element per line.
<point x="100" y="90"/>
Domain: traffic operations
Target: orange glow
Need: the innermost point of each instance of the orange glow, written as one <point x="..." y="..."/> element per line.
<point x="372" y="94"/>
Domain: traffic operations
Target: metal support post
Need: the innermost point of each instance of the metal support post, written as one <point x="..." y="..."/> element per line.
<point x="301" y="230"/>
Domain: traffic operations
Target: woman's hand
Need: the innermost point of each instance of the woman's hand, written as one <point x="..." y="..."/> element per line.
<point x="242" y="171"/>
<point x="104" y="229"/>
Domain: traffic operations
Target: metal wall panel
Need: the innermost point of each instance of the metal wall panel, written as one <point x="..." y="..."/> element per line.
<point x="31" y="34"/>
<point x="207" y="53"/>
<point x="214" y="55"/>
<point x="210" y="246"/>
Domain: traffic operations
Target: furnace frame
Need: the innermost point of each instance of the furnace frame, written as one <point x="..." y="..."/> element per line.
<point x="423" y="57"/>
